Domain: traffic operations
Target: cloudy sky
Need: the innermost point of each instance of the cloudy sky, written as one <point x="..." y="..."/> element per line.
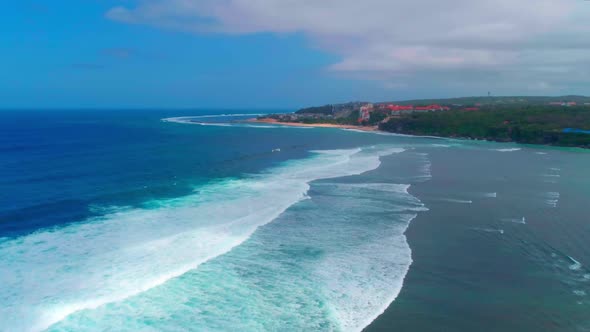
<point x="288" y="53"/>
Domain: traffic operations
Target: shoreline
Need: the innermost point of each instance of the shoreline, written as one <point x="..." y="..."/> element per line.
<point x="316" y="125"/>
<point x="375" y="129"/>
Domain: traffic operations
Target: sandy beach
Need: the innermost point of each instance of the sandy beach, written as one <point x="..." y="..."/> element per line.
<point x="317" y="125"/>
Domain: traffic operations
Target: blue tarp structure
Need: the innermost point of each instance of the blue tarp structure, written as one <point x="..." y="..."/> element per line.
<point x="576" y="131"/>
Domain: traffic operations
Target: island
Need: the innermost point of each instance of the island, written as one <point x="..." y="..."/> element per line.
<point x="558" y="121"/>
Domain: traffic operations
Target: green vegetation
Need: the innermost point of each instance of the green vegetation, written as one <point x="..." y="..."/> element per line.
<point x="350" y="119"/>
<point x="345" y="118"/>
<point x="533" y="124"/>
<point x="326" y="109"/>
<point x="375" y="118"/>
<point x="511" y="100"/>
<point x="521" y="119"/>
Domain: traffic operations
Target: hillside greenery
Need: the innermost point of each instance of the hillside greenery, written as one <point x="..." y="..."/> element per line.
<point x="326" y="109"/>
<point x="534" y="124"/>
<point x="498" y="100"/>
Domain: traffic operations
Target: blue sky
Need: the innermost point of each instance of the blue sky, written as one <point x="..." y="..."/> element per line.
<point x="69" y="55"/>
<point x="159" y="53"/>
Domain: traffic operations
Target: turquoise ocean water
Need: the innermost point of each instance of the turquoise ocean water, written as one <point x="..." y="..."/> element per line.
<point x="172" y="220"/>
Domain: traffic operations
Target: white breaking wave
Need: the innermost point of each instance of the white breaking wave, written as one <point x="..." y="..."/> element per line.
<point x="515" y="220"/>
<point x="48" y="275"/>
<point x="575" y="266"/>
<point x="186" y="119"/>
<point x="385" y="187"/>
<point x="353" y="305"/>
<point x="552" y="202"/>
<point x="213" y="124"/>
<point x="385" y="133"/>
<point x="425" y="169"/>
<point x="189" y="120"/>
<point x="326" y="265"/>
<point x="552" y="198"/>
<point x="507" y="149"/>
<point x="357" y="130"/>
<point x="380" y="261"/>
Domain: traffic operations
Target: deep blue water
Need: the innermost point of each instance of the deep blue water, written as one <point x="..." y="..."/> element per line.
<point x="57" y="165"/>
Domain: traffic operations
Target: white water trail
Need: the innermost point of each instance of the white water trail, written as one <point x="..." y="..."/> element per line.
<point x="488" y="230"/>
<point x="458" y="201"/>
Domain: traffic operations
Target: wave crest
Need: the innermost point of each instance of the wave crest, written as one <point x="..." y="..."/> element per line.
<point x="124" y="253"/>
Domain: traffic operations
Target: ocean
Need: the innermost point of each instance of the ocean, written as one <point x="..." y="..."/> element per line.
<point x="169" y="220"/>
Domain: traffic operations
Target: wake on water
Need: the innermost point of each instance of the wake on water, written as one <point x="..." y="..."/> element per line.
<point x="458" y="201"/>
<point x="49" y="275"/>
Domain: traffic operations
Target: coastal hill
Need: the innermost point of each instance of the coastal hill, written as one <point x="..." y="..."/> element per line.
<point x="498" y="100"/>
<point x="560" y="121"/>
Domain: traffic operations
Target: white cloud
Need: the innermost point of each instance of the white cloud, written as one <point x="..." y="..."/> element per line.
<point x="394" y="40"/>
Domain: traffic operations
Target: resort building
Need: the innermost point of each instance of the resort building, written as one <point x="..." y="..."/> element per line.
<point x="365" y="112"/>
<point x="563" y="103"/>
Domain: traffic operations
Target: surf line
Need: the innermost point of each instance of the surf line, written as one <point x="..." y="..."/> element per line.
<point x="150" y="243"/>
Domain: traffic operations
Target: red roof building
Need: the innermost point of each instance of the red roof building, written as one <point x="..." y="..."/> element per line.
<point x="400" y="107"/>
<point x="434" y="107"/>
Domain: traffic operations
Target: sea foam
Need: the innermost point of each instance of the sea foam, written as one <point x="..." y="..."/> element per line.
<point x="187" y="119"/>
<point x="326" y="264"/>
<point x="48" y="275"/>
<point x="507" y="149"/>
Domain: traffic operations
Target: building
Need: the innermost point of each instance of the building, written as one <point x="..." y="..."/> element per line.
<point x="576" y="131"/>
<point x="563" y="103"/>
<point x="430" y="108"/>
<point x="398" y="108"/>
<point x="367" y="107"/>
<point x="365" y="112"/>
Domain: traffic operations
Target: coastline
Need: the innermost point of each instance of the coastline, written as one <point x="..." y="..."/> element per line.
<point x="316" y="125"/>
<point x="375" y="129"/>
